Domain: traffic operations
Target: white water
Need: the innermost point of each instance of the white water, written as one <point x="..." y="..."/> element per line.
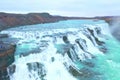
<point x="57" y="72"/>
<point x="53" y="61"/>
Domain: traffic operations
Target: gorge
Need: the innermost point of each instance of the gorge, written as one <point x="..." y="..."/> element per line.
<point x="75" y="49"/>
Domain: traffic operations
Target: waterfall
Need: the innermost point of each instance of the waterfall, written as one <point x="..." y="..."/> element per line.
<point x="58" y="51"/>
<point x="41" y="66"/>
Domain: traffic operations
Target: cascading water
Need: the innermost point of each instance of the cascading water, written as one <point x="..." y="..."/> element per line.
<point x="72" y="51"/>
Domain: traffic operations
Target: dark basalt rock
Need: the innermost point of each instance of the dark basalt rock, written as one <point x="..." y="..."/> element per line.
<point x="103" y="49"/>
<point x="101" y="44"/>
<point x="88" y="63"/>
<point x="36" y="68"/>
<point x="98" y="30"/>
<point x="4" y="36"/>
<point x="65" y="39"/>
<point x="96" y="39"/>
<point x="82" y="46"/>
<point x="77" y="41"/>
<point x="52" y="59"/>
<point x="11" y="69"/>
<point x="88" y="74"/>
<point x="75" y="72"/>
<point x="69" y="55"/>
<point x="89" y="37"/>
<point x="83" y="73"/>
<point x="4" y="74"/>
<point x="73" y="56"/>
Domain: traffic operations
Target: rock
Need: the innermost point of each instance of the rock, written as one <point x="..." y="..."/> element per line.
<point x="77" y="41"/>
<point x="88" y="63"/>
<point x="4" y="74"/>
<point x="37" y="68"/>
<point x="98" y="30"/>
<point x="83" y="73"/>
<point x="52" y="59"/>
<point x="65" y="39"/>
<point x="103" y="49"/>
<point x="6" y="59"/>
<point x="69" y="55"/>
<point x="11" y="69"/>
<point x="99" y="42"/>
<point x="96" y="39"/>
<point x="89" y="37"/>
<point x="7" y="54"/>
<point x="4" y="36"/>
<point x="88" y="74"/>
<point x="75" y="72"/>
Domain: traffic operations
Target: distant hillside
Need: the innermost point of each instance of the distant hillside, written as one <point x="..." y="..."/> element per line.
<point x="10" y="20"/>
<point x="111" y="20"/>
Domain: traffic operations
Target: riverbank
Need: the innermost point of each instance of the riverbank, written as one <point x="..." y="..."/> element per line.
<point x="6" y="56"/>
<point x="10" y="20"/>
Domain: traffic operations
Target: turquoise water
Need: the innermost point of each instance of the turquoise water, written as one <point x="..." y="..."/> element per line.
<point x="58" y="25"/>
<point x="105" y="66"/>
<point x="24" y="48"/>
<point x="108" y="65"/>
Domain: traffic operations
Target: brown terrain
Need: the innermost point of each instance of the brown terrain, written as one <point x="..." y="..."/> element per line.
<point x="8" y="20"/>
<point x="14" y="20"/>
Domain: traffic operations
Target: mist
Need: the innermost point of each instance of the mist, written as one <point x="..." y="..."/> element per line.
<point x="115" y="28"/>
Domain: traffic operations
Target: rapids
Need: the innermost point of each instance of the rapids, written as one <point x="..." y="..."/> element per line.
<point x="65" y="50"/>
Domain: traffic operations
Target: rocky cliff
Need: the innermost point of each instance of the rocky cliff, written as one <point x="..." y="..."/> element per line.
<point x="6" y="56"/>
<point x="6" y="59"/>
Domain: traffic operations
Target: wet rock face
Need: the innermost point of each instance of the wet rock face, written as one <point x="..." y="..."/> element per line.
<point x="96" y="39"/>
<point x="98" y="30"/>
<point x="83" y="41"/>
<point x="75" y="72"/>
<point x="7" y="55"/>
<point x="102" y="47"/>
<point x="88" y="63"/>
<point x="6" y="59"/>
<point x="65" y="39"/>
<point x="36" y="68"/>
<point x="11" y="69"/>
<point x="4" y="74"/>
<point x="88" y="74"/>
<point x="83" y="73"/>
<point x="4" y="36"/>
